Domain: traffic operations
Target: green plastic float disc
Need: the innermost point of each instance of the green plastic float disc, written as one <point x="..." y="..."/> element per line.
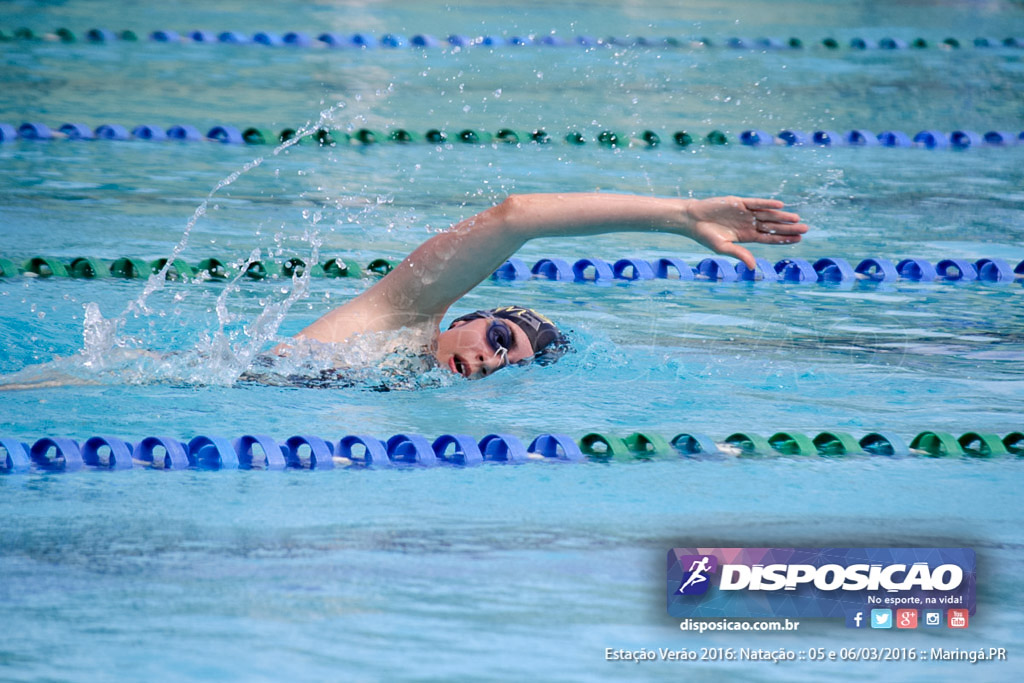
<point x="381" y="266"/>
<point x="260" y="136"/>
<point x="919" y="43"/>
<point x="512" y="137"/>
<point x="130" y="268"/>
<point x="792" y="443"/>
<point x="831" y="43"/>
<point x="65" y="35"/>
<point x="540" y="136"/>
<point x="980" y="445"/>
<point x="296" y="267"/>
<point x="89" y="268"/>
<point x="337" y="267"/>
<point x="682" y="138"/>
<point x="750" y="444"/>
<point x="402" y="135"/>
<point x="214" y="268"/>
<point x="603" y="447"/>
<point x="650" y="138"/>
<point x="8" y="269"/>
<point x="367" y="136"/>
<point x="951" y="43"/>
<point x="475" y="137"/>
<point x="608" y="138"/>
<point x="717" y="137"/>
<point x="329" y="138"/>
<point x="24" y="33"/>
<point x="574" y="137"/>
<point x="647" y="445"/>
<point x="45" y="267"/>
<point x="129" y="36"/>
<point x="1014" y="442"/>
<point x="436" y="136"/>
<point x="179" y="270"/>
<point x="289" y="133"/>
<point x="937" y="444"/>
<point x="795" y="43"/>
<point x="836" y="443"/>
<point x="261" y="270"/>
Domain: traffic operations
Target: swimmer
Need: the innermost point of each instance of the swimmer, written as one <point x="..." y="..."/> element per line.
<point x="417" y="294"/>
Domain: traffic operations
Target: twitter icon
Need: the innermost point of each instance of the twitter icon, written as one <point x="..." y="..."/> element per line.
<point x="881" y="618"/>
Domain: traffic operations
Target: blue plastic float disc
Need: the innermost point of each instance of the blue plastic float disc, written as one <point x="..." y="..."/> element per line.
<point x="999" y="138"/>
<point x="695" y="444"/>
<point x="269" y="39"/>
<point x="213" y="453"/>
<point x="764" y="271"/>
<point x="794" y="138"/>
<point x="892" y="44"/>
<point x="118" y="453"/>
<point x="112" y="131"/>
<point x="796" y="270"/>
<point x="297" y="39"/>
<point x="492" y="41"/>
<point x="226" y="134"/>
<point x="994" y="270"/>
<point x="144" y="132"/>
<point x="411" y="448"/>
<point x="894" y="138"/>
<point x="66" y="454"/>
<point x="553" y="269"/>
<point x="861" y="138"/>
<point x="557" y="447"/>
<point x="233" y="38"/>
<point x="632" y="269"/>
<point x="956" y="269"/>
<point x="203" y="36"/>
<point x="35" y="131"/>
<point x="503" y="448"/>
<point x="915" y="269"/>
<point x="755" y="138"/>
<point x="717" y="268"/>
<point x="272" y="459"/>
<point x="374" y="452"/>
<point x="77" y="131"/>
<point x="834" y="270"/>
<point x="666" y="264"/>
<point x="458" y="41"/>
<point x="863" y="44"/>
<point x="599" y="270"/>
<point x="8" y="133"/>
<point x="828" y="138"/>
<point x="932" y="139"/>
<point x="184" y="132"/>
<point x="100" y="35"/>
<point x="320" y="457"/>
<point x="16" y="456"/>
<point x="465" y="451"/>
<point x="175" y="453"/>
<point x="391" y="40"/>
<point x="962" y="139"/>
<point x="332" y="39"/>
<point x="424" y="40"/>
<point x="363" y="40"/>
<point x="878" y="269"/>
<point x="738" y="43"/>
<point x="162" y="36"/>
<point x="884" y="443"/>
<point x="512" y="269"/>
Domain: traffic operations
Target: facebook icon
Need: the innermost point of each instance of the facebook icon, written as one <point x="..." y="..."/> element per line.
<point x="855" y="619"/>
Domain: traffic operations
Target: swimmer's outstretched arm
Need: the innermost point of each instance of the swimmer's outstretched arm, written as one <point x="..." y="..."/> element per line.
<point x="445" y="267"/>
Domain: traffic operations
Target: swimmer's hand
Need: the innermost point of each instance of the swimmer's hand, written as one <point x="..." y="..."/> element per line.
<point x="720" y="222"/>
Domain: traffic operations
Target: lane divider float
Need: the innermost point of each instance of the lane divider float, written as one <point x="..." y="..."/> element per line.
<point x="610" y="139"/>
<point x="368" y="41"/>
<point x="592" y="270"/>
<point x="256" y="451"/>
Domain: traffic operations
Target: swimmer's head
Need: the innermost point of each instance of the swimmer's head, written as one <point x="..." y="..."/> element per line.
<point x="477" y="344"/>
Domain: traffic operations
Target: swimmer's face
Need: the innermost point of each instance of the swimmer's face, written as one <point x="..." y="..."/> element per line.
<point x="476" y="348"/>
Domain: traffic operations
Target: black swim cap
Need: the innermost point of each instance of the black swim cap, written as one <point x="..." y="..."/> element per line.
<point x="546" y="340"/>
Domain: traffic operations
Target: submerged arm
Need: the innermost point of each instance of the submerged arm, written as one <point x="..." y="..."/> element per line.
<point x="448" y="265"/>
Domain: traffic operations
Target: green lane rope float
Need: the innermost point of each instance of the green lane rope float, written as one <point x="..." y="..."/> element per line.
<point x="608" y="139"/>
<point x="835" y="271"/>
<point x="58" y="454"/>
<point x="392" y="41"/>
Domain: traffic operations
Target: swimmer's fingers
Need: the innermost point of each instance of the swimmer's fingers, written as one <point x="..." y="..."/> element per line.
<point x="736" y="251"/>
<point x="775" y="216"/>
<point x="767" y="227"/>
<point x="759" y="204"/>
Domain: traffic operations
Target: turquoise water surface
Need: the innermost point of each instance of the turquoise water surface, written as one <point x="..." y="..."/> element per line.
<point x="496" y="572"/>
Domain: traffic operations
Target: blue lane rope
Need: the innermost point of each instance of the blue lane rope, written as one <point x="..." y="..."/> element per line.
<point x="231" y="135"/>
<point x="589" y="269"/>
<point x="368" y="41"/>
<point x="255" y="451"/>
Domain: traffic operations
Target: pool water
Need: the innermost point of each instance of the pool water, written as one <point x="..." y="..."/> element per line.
<point x="497" y="571"/>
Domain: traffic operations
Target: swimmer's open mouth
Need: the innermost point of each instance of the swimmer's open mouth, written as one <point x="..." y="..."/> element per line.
<point x="459" y="366"/>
